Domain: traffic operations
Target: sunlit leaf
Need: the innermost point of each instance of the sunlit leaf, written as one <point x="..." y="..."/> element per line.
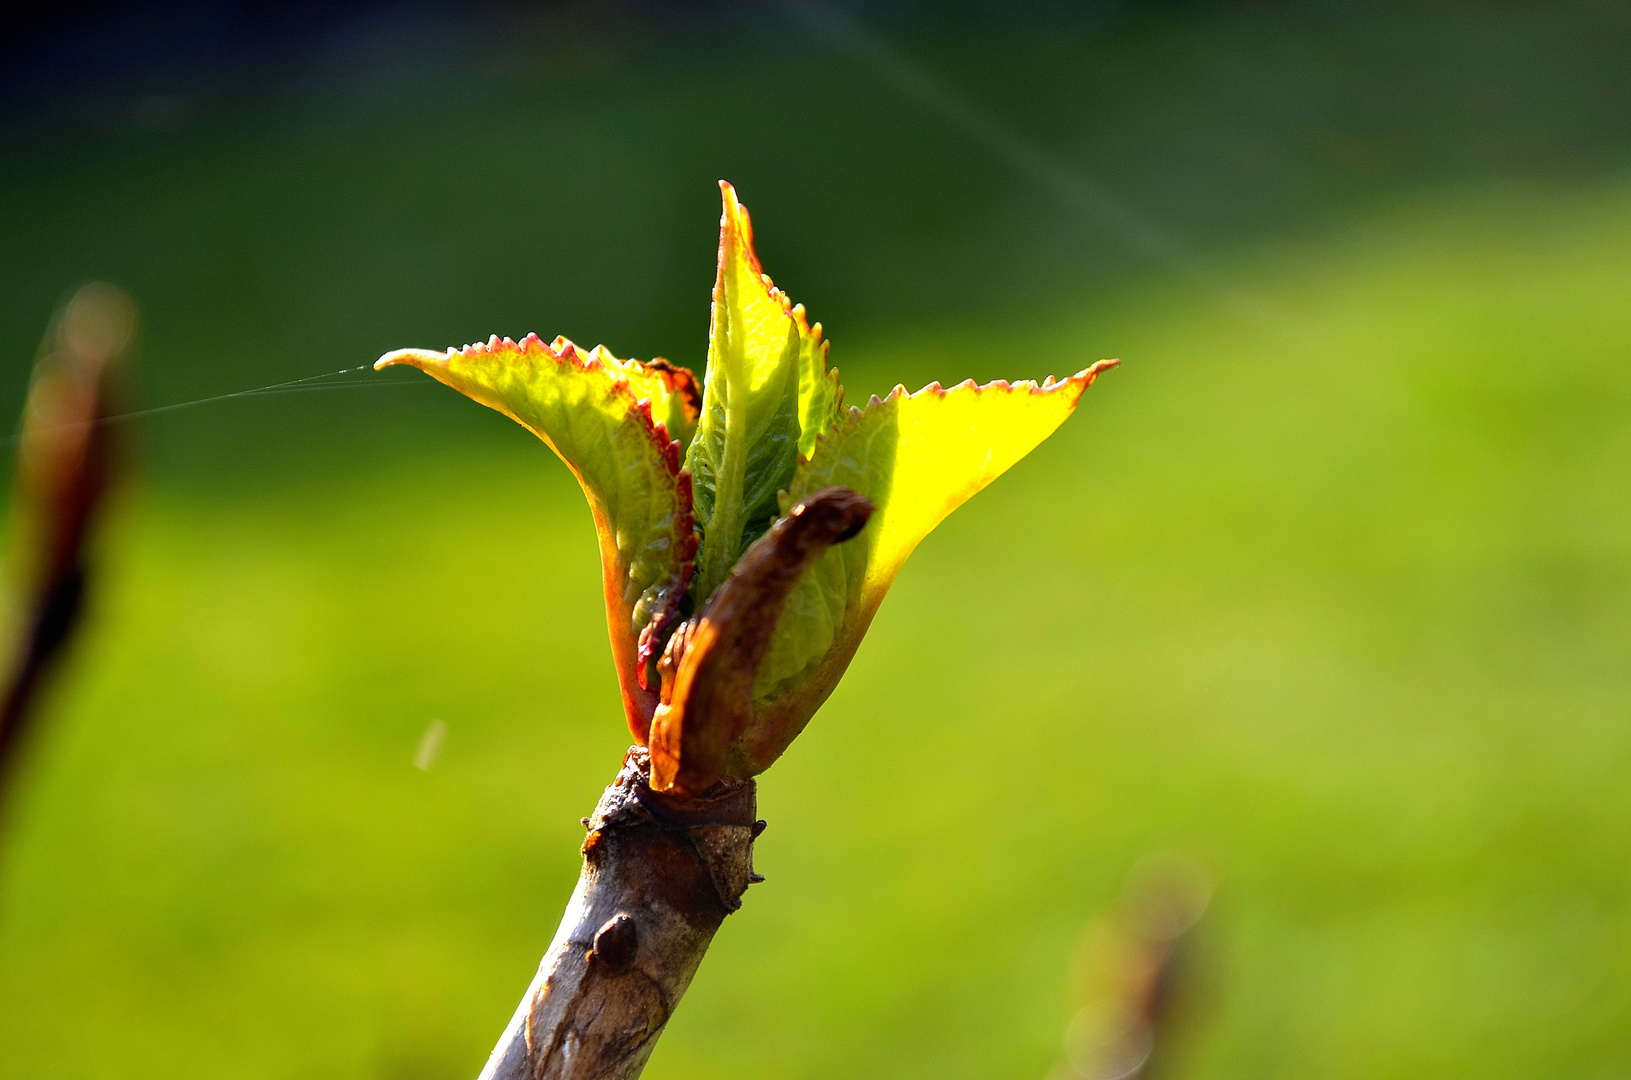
<point x="767" y="431"/>
<point x="766" y="392"/>
<point x="820" y="394"/>
<point x="917" y="457"/>
<point x="676" y="399"/>
<point x="608" y="420"/>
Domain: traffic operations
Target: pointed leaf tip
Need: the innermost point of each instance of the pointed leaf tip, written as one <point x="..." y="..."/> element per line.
<point x="767" y="395"/>
<point x="415" y="357"/>
<point x="917" y="457"/>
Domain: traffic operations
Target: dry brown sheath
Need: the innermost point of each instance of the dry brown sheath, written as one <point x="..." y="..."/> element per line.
<point x="710" y="663"/>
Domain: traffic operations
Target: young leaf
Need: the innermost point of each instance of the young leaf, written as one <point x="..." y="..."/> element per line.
<point x="766" y="394"/>
<point x="608" y="419"/>
<point x="820" y="394"/>
<point x="917" y="458"/>
<point x="765" y="437"/>
<point x="676" y="400"/>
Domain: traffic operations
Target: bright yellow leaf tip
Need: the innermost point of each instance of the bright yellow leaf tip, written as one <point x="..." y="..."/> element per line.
<point x="917" y="457"/>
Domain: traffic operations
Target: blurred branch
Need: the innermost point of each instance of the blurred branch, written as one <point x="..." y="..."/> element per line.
<point x="65" y="459"/>
<point x="1135" y="983"/>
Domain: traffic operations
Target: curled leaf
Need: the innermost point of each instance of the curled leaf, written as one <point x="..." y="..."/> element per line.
<point x="710" y="664"/>
<point x="608" y="420"/>
<point x="767" y="394"/>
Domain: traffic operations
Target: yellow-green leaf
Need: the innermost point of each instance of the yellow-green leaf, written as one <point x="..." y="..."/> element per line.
<point x="608" y="419"/>
<point x="820" y="393"/>
<point x="676" y="399"/>
<point x="917" y="457"/>
<point x="767" y="393"/>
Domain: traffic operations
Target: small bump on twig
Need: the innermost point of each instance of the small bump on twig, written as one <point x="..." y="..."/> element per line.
<point x="616" y="943"/>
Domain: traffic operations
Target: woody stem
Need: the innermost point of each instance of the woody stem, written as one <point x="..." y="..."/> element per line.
<point x="659" y="876"/>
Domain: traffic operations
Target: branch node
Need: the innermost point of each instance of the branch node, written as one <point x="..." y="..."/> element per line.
<point x="616" y="943"/>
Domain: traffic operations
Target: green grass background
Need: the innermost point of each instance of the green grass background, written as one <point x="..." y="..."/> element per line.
<point x="1337" y="596"/>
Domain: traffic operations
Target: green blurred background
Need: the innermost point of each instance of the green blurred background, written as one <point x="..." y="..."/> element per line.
<point x="1329" y="584"/>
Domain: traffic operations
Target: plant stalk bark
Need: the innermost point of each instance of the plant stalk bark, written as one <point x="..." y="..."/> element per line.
<point x="659" y="876"/>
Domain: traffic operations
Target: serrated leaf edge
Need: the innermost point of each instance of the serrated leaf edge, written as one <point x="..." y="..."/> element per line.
<point x="780" y="719"/>
<point x="850" y="416"/>
<point x="649" y="641"/>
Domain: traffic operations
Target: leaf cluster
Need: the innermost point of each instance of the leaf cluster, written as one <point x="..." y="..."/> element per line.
<point x="684" y="480"/>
